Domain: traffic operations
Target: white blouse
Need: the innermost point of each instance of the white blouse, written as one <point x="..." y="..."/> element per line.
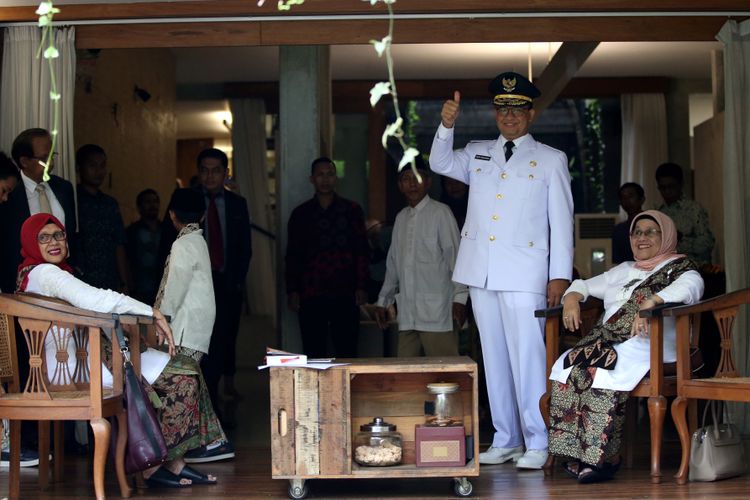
<point x="633" y="355"/>
<point x="51" y="281"/>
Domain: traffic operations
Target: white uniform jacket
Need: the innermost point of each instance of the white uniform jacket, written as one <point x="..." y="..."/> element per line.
<point x="518" y="233"/>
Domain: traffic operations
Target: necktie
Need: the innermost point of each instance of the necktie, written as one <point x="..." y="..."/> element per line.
<point x="508" y="150"/>
<point x="44" y="207"/>
<point x="215" y="238"/>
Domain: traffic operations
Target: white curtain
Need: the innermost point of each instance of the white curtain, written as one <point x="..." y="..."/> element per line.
<point x="644" y="141"/>
<point x="736" y="39"/>
<point x="25" y="91"/>
<point x="251" y="172"/>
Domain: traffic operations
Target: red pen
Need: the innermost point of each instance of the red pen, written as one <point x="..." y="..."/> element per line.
<point x="287" y="360"/>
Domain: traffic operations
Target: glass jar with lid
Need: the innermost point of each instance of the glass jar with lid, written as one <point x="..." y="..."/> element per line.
<point x="445" y="406"/>
<point x="377" y="444"/>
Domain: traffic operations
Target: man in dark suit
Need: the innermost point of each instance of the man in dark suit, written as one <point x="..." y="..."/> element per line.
<point x="30" y="152"/>
<point x="227" y="232"/>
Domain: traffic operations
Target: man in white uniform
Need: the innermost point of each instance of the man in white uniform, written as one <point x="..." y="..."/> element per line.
<point x="516" y="255"/>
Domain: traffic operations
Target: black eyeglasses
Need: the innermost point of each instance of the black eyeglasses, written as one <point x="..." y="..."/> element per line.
<point x="45" y="238"/>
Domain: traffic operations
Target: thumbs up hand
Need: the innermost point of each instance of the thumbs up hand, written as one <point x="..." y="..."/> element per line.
<point x="449" y="113"/>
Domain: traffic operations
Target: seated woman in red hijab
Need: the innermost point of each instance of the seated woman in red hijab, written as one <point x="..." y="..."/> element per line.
<point x="45" y="271"/>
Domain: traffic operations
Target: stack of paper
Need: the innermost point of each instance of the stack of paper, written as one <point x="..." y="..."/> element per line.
<point x="277" y="357"/>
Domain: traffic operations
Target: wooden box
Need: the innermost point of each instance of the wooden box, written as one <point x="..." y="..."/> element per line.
<point x="440" y="446"/>
<point x="315" y="414"/>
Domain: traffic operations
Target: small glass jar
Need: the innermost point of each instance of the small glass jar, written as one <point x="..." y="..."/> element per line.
<point x="445" y="406"/>
<point x="378" y="444"/>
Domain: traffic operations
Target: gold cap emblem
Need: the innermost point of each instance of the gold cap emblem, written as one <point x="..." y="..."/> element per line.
<point x="509" y="84"/>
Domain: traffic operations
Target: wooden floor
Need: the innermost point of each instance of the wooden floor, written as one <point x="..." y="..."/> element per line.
<point x="249" y="475"/>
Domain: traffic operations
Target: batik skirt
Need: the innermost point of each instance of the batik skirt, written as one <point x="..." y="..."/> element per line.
<point x="186" y="415"/>
<point x="586" y="423"/>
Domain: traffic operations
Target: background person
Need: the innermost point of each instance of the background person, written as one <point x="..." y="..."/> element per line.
<point x="695" y="238"/>
<point x="632" y="197"/>
<point x="143" y="240"/>
<point x="101" y="242"/>
<point x="227" y="233"/>
<point x="592" y="381"/>
<point x="516" y="256"/>
<point x="327" y="259"/>
<point x="419" y="266"/>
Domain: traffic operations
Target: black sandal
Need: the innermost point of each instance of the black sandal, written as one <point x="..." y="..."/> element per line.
<point x="196" y="477"/>
<point x="593" y="474"/>
<point x="572" y="468"/>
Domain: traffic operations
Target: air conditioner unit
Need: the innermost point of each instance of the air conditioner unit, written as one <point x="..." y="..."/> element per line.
<point x="593" y="244"/>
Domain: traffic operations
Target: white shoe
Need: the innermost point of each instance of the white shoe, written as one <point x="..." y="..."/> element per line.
<point x="495" y="456"/>
<point x="532" y="459"/>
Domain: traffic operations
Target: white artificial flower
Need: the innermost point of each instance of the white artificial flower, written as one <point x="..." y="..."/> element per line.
<point x="381" y="45"/>
<point x="394" y="129"/>
<point x="51" y="53"/>
<point x="409" y="155"/>
<point x="379" y="90"/>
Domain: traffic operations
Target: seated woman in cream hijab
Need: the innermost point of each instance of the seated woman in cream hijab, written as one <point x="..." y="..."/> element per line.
<point x="592" y="381"/>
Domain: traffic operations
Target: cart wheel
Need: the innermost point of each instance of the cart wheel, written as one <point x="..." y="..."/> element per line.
<point x="298" y="489"/>
<point x="462" y="487"/>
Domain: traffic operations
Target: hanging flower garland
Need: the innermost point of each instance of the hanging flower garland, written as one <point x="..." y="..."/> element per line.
<point x="380" y="89"/>
<point x="46" y="13"/>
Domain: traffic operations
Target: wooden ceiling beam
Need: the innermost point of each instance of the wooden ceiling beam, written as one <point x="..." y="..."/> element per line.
<point x="272" y="33"/>
<point x="561" y="69"/>
<point x="351" y="96"/>
<point x="239" y="8"/>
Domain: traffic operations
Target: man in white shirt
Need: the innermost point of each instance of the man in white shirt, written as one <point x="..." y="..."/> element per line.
<point x="418" y="273"/>
<point x="516" y="256"/>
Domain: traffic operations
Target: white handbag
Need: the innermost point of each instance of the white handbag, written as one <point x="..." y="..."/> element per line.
<point x="716" y="451"/>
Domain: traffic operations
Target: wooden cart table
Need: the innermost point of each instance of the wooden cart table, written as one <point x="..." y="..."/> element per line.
<point x="315" y="415"/>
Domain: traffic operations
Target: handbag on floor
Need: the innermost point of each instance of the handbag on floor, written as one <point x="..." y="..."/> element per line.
<point x="146" y="446"/>
<point x="716" y="451"/>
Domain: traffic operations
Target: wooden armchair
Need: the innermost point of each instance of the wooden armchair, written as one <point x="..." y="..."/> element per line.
<point x="67" y="396"/>
<point x="659" y="383"/>
<point x="725" y="385"/>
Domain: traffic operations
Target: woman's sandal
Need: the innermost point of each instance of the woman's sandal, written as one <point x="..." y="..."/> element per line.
<point x="591" y="474"/>
<point x="196" y="477"/>
<point x="572" y="468"/>
<point x="164" y="478"/>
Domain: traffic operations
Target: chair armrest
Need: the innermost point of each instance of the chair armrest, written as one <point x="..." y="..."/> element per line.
<point x="550" y="312"/>
<point x="657" y="311"/>
<point x="730" y="299"/>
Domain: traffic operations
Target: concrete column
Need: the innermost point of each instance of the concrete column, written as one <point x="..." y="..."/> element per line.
<point x="305" y="134"/>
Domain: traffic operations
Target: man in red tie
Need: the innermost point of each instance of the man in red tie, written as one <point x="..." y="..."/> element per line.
<point x="227" y="232"/>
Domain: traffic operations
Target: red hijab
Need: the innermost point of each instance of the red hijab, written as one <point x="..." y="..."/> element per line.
<point x="32" y="255"/>
<point x="668" y="248"/>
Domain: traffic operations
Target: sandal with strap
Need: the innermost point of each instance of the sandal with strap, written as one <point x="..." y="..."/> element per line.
<point x="164" y="478"/>
<point x="572" y="468"/>
<point x="196" y="477"/>
<point x="593" y="474"/>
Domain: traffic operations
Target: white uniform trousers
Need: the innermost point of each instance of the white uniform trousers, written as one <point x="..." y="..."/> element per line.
<point x="514" y="364"/>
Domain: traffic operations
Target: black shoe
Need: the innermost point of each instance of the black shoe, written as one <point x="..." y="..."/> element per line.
<point x="29" y="458"/>
<point x="202" y="455"/>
